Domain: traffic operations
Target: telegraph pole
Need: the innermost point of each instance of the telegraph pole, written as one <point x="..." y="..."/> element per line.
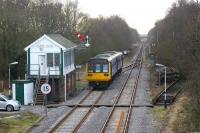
<point x="165" y="87"/>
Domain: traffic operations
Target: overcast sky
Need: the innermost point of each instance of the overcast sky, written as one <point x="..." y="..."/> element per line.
<point x="139" y="14"/>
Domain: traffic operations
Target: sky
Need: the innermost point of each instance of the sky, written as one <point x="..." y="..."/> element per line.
<point x="139" y="14"/>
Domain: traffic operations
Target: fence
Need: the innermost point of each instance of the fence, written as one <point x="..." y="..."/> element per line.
<point x="4" y="84"/>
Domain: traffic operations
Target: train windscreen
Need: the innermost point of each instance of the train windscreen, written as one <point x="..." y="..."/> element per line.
<point x="105" y="68"/>
<point x="98" y="66"/>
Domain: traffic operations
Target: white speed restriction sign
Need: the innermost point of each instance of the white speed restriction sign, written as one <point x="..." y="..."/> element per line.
<point x="46" y="88"/>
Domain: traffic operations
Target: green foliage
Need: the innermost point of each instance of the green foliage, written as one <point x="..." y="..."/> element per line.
<point x="23" y="21"/>
<point x="18" y="123"/>
<point x="178" y="36"/>
<point x="107" y="34"/>
<point x="177" y="39"/>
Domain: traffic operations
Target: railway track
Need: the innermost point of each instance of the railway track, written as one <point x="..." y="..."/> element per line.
<point x="112" y="124"/>
<point x="76" y="115"/>
<point x="75" y="118"/>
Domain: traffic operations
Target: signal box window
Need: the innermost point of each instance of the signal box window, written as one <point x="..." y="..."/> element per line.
<point x="50" y="59"/>
<point x="57" y="59"/>
<point x="53" y="59"/>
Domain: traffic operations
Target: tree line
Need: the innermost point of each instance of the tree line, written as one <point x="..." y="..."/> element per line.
<point x="107" y="34"/>
<point x="23" y="21"/>
<point x="177" y="43"/>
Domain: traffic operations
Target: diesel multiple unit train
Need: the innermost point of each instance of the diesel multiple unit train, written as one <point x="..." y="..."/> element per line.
<point x="101" y="69"/>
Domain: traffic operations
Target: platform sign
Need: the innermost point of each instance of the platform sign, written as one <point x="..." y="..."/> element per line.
<point x="46" y="89"/>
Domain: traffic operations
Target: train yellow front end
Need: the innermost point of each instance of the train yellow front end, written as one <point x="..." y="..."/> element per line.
<point x="98" y="73"/>
<point x="99" y="70"/>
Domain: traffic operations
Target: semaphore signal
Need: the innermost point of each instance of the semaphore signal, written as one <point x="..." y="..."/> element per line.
<point x="83" y="39"/>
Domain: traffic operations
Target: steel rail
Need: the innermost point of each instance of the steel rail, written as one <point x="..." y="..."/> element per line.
<point x="87" y="114"/>
<point x="127" y="121"/>
<point x="54" y="127"/>
<point x="66" y="116"/>
<point x="155" y="100"/>
<point x="110" y="105"/>
<point x="129" y="68"/>
<point x="118" y="96"/>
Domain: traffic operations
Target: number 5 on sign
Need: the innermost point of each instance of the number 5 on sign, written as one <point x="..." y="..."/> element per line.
<point x="46" y="88"/>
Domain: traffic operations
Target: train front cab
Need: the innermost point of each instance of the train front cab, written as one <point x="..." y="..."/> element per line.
<point x="98" y="73"/>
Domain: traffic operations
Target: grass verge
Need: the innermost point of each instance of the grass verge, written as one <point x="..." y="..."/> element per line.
<point x="4" y="92"/>
<point x="172" y="119"/>
<point x="18" y="123"/>
<point x="81" y="84"/>
<point x="176" y="116"/>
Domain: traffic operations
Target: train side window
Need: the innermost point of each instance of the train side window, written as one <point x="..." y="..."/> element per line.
<point x="98" y="68"/>
<point x="105" y="68"/>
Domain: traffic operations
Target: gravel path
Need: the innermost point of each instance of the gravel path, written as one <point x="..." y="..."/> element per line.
<point x="53" y="115"/>
<point x="34" y="109"/>
<point x="77" y="98"/>
<point x="142" y="120"/>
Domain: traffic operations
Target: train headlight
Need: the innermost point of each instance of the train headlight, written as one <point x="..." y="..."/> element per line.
<point x="89" y="74"/>
<point x="106" y="74"/>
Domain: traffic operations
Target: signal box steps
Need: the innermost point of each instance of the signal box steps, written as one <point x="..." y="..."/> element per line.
<point x="40" y="96"/>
